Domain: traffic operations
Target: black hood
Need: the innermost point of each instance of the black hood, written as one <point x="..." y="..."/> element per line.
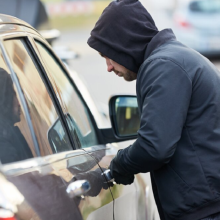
<point x="123" y="32"/>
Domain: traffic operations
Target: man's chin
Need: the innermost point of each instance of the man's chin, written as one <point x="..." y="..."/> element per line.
<point x="128" y="79"/>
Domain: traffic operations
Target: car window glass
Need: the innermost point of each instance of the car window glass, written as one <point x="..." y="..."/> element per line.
<point x="77" y="115"/>
<point x="15" y="138"/>
<point x="50" y="134"/>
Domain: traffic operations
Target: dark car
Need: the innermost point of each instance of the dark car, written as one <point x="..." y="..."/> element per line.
<point x="52" y="148"/>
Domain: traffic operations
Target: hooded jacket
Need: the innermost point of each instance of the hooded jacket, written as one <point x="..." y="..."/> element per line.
<point x="178" y="92"/>
<point x="123" y="32"/>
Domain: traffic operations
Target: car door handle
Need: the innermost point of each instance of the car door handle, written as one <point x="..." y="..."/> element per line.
<point x="78" y="188"/>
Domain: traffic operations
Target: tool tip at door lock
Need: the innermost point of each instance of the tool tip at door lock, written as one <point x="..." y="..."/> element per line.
<point x="108" y="176"/>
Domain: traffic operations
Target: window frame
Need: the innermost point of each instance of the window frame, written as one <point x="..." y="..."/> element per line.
<point x="27" y="39"/>
<point x="97" y="131"/>
<point x="21" y="96"/>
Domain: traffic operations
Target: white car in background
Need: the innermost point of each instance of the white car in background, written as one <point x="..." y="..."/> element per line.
<point x="196" y="23"/>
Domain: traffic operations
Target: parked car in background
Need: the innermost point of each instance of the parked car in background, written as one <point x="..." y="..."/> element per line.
<point x="197" y="25"/>
<point x="53" y="147"/>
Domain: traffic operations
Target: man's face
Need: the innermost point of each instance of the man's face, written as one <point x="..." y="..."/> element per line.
<point x="119" y="70"/>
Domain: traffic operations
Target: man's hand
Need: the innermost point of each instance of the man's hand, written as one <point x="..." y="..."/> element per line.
<point x="118" y="174"/>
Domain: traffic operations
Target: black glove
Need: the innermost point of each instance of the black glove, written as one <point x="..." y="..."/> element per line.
<point x="117" y="172"/>
<point x="96" y="180"/>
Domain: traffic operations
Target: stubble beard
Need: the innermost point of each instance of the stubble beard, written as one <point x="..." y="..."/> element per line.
<point x="129" y="76"/>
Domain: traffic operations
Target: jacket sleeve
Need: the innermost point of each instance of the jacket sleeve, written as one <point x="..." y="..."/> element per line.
<point x="165" y="91"/>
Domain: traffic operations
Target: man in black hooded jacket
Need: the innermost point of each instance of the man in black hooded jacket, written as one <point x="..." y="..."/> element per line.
<point x="178" y="92"/>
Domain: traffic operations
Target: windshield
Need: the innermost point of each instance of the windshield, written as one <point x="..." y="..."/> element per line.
<point x="205" y="6"/>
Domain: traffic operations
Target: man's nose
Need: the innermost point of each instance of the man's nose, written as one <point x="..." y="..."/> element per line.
<point x="110" y="68"/>
<point x="109" y="65"/>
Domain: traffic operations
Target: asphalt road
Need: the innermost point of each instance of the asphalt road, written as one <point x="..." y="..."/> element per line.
<point x="91" y="67"/>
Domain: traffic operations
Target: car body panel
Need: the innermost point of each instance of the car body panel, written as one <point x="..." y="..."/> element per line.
<point x="43" y="183"/>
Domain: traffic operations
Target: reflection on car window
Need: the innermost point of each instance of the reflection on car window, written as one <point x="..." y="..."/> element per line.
<point x="15" y="139"/>
<point x="41" y="108"/>
<point x="127" y="115"/>
<point x="76" y="112"/>
<point x="57" y="137"/>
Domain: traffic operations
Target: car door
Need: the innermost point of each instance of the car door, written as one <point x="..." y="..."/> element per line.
<point x="84" y="132"/>
<point x="50" y="174"/>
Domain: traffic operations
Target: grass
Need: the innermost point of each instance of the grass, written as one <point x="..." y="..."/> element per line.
<point x="69" y="22"/>
<point x="81" y="20"/>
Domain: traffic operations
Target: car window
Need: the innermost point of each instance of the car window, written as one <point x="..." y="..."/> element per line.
<point x="15" y="138"/>
<point x="47" y="125"/>
<point x="76" y="113"/>
<point x="205" y="6"/>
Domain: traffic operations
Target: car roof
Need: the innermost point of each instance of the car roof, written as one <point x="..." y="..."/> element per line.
<point x="8" y="19"/>
<point x="10" y="24"/>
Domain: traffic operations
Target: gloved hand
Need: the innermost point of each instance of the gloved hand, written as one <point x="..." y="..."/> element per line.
<point x="117" y="172"/>
<point x="96" y="181"/>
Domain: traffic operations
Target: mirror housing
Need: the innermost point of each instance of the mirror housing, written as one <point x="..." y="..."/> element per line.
<point x="124" y="115"/>
<point x="125" y="120"/>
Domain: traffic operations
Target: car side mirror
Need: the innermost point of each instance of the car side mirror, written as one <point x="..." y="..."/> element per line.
<point x="124" y="115"/>
<point x="57" y="137"/>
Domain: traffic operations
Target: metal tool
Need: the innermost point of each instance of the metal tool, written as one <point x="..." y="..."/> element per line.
<point x="108" y="176"/>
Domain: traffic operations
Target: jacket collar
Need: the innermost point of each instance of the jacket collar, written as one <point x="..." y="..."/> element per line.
<point x="159" y="39"/>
